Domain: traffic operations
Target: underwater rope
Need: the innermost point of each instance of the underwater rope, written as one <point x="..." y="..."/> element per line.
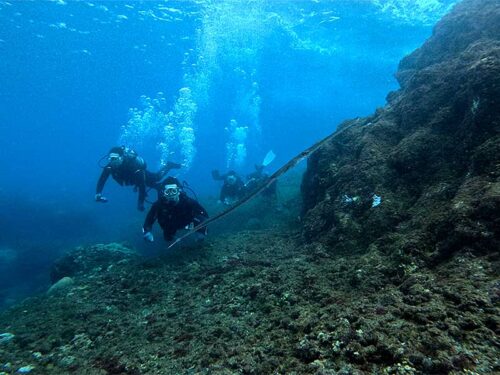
<point x="293" y="162"/>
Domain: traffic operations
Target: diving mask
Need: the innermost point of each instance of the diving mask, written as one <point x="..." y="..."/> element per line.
<point x="231" y="179"/>
<point x="115" y="160"/>
<point x="171" y="192"/>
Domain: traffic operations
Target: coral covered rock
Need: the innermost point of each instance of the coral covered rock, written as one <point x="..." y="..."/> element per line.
<point x="431" y="157"/>
<point x="85" y="259"/>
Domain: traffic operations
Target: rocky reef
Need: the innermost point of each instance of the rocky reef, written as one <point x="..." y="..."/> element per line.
<point x="421" y="176"/>
<point x="393" y="268"/>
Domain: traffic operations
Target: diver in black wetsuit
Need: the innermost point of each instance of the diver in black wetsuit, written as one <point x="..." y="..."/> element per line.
<point x="127" y="168"/>
<point x="174" y="210"/>
<point x="233" y="188"/>
<point x="258" y="178"/>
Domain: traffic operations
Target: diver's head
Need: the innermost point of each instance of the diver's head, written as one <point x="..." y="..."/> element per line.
<point x="115" y="159"/>
<point x="231" y="178"/>
<point x="172" y="190"/>
<point x="115" y="156"/>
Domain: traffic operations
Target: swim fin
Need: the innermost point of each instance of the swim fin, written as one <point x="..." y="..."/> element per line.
<point x="269" y="158"/>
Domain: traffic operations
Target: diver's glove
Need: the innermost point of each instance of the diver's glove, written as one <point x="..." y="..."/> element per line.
<point x="167" y="167"/>
<point x="172" y="165"/>
<point x="140" y="206"/>
<point x="100" y="198"/>
<point x="148" y="237"/>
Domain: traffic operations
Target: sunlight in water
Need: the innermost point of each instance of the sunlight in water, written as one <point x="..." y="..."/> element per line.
<point x="229" y="39"/>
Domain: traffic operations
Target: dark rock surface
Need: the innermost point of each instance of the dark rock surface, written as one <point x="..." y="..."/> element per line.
<point x="432" y="154"/>
<point x="260" y="303"/>
<point x="86" y="259"/>
<point x="399" y="273"/>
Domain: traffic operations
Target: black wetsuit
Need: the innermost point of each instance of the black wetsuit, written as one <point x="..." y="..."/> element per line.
<point x="175" y="216"/>
<point x="233" y="191"/>
<point x="256" y="179"/>
<point x="131" y="172"/>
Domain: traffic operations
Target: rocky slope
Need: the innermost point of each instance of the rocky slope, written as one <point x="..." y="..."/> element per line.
<point x="431" y="157"/>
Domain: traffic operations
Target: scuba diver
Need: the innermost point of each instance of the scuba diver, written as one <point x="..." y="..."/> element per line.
<point x="174" y="210"/>
<point x="233" y="188"/>
<point x="259" y="177"/>
<point x="127" y="168"/>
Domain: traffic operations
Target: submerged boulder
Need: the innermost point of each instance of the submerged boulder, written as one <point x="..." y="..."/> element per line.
<point x="62" y="285"/>
<point x="90" y="258"/>
<point x="430" y="159"/>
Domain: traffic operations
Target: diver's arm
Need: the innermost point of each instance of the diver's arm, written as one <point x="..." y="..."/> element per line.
<point x="150" y="218"/>
<point x="148" y="223"/>
<point x="223" y="193"/>
<point x="169" y="166"/>
<point x="102" y="180"/>
<point x="100" y="185"/>
<point x="141" y="184"/>
<point x="199" y="211"/>
<point x="164" y="171"/>
<point x="199" y="215"/>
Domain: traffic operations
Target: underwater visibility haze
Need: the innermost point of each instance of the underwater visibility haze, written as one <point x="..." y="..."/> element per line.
<point x="379" y="255"/>
<point x="210" y="84"/>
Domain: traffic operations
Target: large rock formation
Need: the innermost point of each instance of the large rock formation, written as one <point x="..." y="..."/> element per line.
<point x="430" y="157"/>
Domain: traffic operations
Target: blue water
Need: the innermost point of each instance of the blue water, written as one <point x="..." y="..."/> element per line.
<point x="288" y="71"/>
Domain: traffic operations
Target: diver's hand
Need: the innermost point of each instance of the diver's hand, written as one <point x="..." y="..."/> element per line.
<point x="140" y="206"/>
<point x="100" y="198"/>
<point x="148" y="237"/>
<point x="199" y="237"/>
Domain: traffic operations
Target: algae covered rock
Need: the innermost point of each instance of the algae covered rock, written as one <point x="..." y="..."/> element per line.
<point x="408" y="203"/>
<point x="6" y="337"/>
<point x="85" y="259"/>
<point x="431" y="156"/>
<point x="61" y="285"/>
